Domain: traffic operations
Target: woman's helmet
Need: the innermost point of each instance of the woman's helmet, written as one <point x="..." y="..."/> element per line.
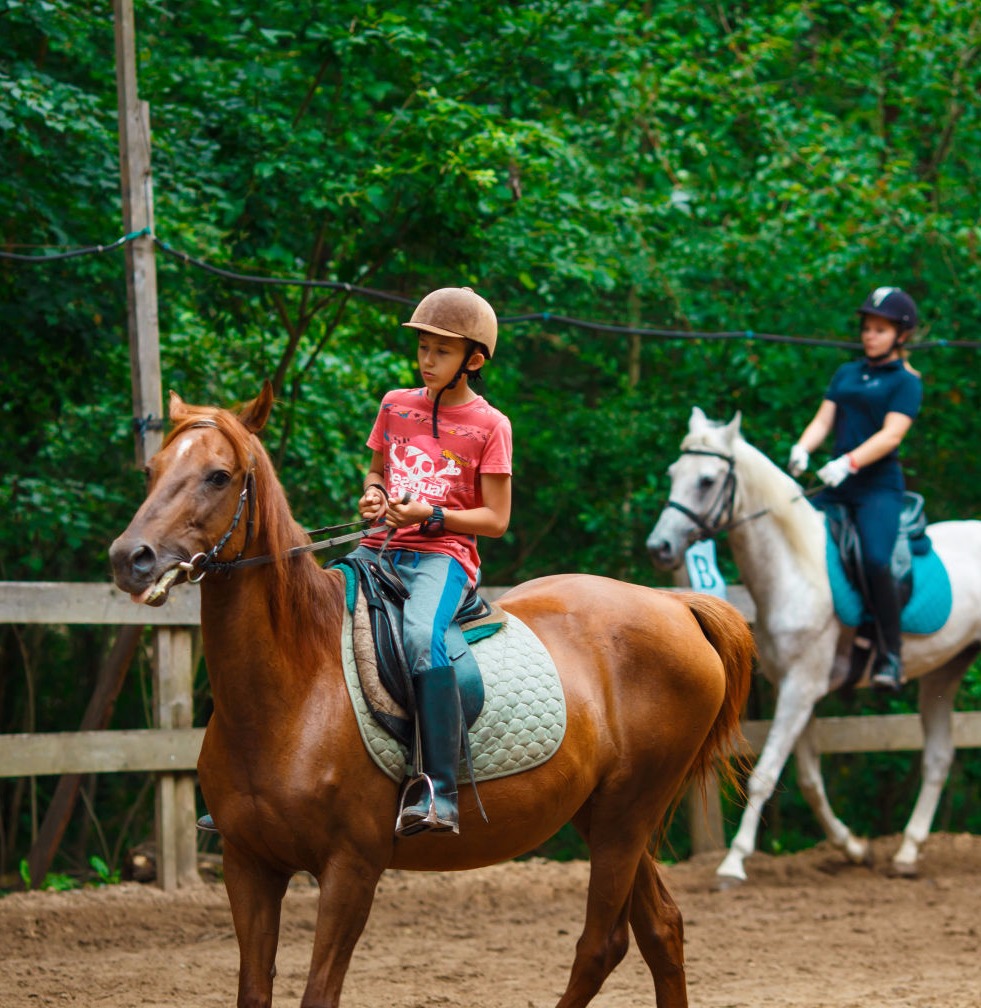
<point x="457" y="311"/>
<point x="893" y="304"/>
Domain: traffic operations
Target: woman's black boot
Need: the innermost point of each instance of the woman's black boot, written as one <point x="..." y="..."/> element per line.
<point x="887" y="671"/>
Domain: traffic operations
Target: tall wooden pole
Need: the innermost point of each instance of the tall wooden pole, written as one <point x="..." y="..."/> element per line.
<point x="141" y="269"/>
<point x="172" y="679"/>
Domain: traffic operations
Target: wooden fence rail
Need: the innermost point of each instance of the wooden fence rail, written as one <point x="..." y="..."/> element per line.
<point x="171" y="750"/>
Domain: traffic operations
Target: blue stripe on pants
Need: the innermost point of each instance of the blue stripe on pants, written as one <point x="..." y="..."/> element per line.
<point x="437" y="584"/>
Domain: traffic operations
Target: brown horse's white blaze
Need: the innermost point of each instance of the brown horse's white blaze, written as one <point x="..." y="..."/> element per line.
<point x="654" y="684"/>
<point x="778" y="543"/>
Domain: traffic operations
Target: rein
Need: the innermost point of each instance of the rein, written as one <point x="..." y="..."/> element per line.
<point x="206" y="563"/>
<point x="714" y="522"/>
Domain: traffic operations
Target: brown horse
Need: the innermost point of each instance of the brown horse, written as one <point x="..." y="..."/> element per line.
<point x="654" y="682"/>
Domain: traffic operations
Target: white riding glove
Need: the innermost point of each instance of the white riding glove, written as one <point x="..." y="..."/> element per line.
<point x="799" y="460"/>
<point x="837" y="471"/>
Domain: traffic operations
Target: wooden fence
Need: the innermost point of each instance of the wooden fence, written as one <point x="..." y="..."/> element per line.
<point x="170" y="749"/>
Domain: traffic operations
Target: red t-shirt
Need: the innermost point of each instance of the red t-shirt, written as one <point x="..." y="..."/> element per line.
<point x="474" y="438"/>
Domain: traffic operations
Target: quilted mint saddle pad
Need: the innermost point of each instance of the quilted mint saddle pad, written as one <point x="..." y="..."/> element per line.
<point x="521" y="724"/>
<point x="928" y="607"/>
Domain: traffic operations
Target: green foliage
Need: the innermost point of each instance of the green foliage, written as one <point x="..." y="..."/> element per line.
<point x="104" y="875"/>
<point x="53" y="881"/>
<point x="669" y="166"/>
<point x="62" y="881"/>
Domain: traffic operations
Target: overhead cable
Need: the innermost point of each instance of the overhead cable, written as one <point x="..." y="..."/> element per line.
<point x="747" y="335"/>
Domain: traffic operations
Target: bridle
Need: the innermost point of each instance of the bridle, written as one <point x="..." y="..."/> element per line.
<point x="719" y="515"/>
<point x="207" y="562"/>
<point x="714" y="520"/>
<point x="201" y="563"/>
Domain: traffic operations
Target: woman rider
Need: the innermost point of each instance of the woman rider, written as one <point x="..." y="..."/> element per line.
<point x="870" y="406"/>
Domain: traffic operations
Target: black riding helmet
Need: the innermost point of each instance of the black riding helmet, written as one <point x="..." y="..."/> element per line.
<point x="893" y="304"/>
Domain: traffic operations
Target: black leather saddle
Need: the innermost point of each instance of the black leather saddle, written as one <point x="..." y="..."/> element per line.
<point x="385" y="596"/>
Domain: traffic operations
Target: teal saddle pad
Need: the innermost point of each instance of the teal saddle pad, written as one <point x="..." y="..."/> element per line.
<point x="929" y="605"/>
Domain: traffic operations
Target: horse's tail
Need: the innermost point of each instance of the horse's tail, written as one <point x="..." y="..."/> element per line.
<point x="726" y="630"/>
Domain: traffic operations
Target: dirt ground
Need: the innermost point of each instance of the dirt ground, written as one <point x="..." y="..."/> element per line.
<point x="807" y="931"/>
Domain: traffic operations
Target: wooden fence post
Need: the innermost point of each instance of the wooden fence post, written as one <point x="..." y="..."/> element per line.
<point x="173" y="692"/>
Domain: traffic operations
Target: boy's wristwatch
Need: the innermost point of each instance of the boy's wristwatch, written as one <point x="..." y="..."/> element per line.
<point x="433" y="525"/>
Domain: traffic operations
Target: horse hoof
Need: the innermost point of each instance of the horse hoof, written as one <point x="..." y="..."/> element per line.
<point x="723" y="883"/>
<point x="903" y="869"/>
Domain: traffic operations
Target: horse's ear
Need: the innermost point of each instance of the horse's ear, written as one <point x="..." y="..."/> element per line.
<point x="696" y="420"/>
<point x="177" y="407"/>
<point x="731" y="430"/>
<point x="255" y="414"/>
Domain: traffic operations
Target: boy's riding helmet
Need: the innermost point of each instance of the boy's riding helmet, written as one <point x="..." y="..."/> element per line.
<point x="457" y="311"/>
<point x="893" y="304"/>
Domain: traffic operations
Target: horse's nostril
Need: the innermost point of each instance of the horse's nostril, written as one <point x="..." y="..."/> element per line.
<point x="659" y="550"/>
<point x="142" y="559"/>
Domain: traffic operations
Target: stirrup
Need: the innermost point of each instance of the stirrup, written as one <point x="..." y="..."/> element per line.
<point x="206" y="824"/>
<point x="411" y="819"/>
<point x="888" y="674"/>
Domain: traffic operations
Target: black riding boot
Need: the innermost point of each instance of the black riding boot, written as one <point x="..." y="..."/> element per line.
<point x="429" y="800"/>
<point x="887" y="672"/>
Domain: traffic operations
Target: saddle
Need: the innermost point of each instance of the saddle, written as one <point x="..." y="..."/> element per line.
<point x="911" y="540"/>
<point x="845" y="546"/>
<point x="390" y="699"/>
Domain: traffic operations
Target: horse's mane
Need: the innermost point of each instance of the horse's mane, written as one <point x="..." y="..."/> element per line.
<point x="786" y="506"/>
<point x="305" y="602"/>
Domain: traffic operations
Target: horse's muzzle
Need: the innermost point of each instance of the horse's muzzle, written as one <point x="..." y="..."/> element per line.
<point x="663" y="554"/>
<point x="137" y="570"/>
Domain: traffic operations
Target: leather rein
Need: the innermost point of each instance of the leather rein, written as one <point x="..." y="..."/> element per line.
<point x="206" y="563"/>
<point x="718" y="516"/>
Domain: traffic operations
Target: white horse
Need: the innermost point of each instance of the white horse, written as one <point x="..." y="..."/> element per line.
<point x="722" y="483"/>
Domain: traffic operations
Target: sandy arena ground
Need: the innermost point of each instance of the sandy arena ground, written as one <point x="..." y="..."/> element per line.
<point x="808" y="931"/>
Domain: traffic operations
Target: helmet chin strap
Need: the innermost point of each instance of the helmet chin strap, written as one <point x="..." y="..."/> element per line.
<point x="879" y="358"/>
<point x="449" y="386"/>
<point x="897" y="344"/>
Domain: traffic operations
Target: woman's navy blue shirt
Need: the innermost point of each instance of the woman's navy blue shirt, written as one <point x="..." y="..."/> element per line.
<point x="863" y="394"/>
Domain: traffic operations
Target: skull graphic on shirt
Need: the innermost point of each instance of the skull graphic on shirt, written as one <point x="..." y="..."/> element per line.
<point x="424" y="476"/>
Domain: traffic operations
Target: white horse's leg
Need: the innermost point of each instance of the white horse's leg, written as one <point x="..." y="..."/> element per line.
<point x="811" y="783"/>
<point x="798" y="693"/>
<point x="937" y="690"/>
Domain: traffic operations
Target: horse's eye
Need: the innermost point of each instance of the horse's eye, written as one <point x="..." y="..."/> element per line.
<point x="219" y="478"/>
<point x="705" y="483"/>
